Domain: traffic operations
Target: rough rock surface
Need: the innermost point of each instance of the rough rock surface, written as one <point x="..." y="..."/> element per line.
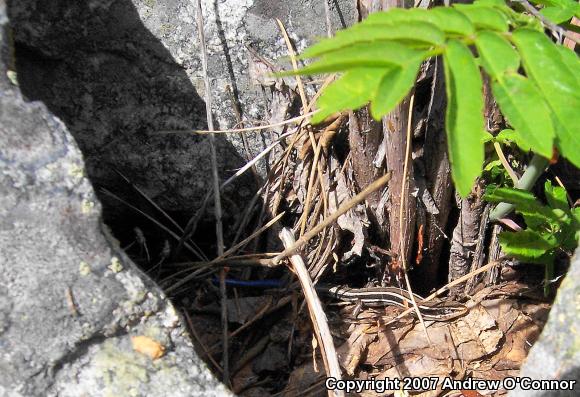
<point x="70" y="301"/>
<point x="556" y="354"/>
<point x="118" y="71"/>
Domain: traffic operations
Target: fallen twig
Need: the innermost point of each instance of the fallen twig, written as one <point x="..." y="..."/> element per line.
<point x="317" y="315"/>
<point x="216" y="189"/>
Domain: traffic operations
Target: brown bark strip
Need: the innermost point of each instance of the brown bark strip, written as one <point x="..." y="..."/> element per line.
<point x="364" y="139"/>
<point x="479" y="254"/>
<point x="471" y="227"/>
<point x="438" y="180"/>
<point x="466" y="233"/>
<point x="394" y="127"/>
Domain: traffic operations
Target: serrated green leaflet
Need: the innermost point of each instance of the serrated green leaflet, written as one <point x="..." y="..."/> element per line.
<point x="570" y="61"/>
<point x="464" y="119"/>
<point x="384" y="54"/>
<point x="535" y="214"/>
<point x="397" y="15"/>
<point x="497" y="54"/>
<point x="545" y="66"/>
<point x="522" y="104"/>
<point x="420" y="34"/>
<point x="452" y="21"/>
<point x="447" y="19"/>
<point x="522" y="199"/>
<point x="484" y="17"/>
<point x="557" y="15"/>
<point x="556" y="196"/>
<point x="351" y="91"/>
<point x="393" y="88"/>
<point x="527" y="245"/>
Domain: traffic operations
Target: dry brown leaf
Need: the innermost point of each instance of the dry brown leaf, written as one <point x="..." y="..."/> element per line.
<point x="355" y="220"/>
<point x="354" y="350"/>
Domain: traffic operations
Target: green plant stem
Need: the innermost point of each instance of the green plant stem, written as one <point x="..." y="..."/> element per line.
<point x="526" y="182"/>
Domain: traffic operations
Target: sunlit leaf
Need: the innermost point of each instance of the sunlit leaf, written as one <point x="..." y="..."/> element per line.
<point x="525" y="109"/>
<point x="546" y="67"/>
<point x="464" y="119"/>
<point x="526" y="204"/>
<point x="393" y="88"/>
<point x="366" y="55"/>
<point x="484" y="17"/>
<point x="497" y="54"/>
<point x="528" y="246"/>
<point x="571" y="62"/>
<point x="509" y="135"/>
<point x="558" y="15"/>
<point x="556" y="196"/>
<point x="447" y="19"/>
<point x="413" y="33"/>
<point x="351" y="91"/>
<point x="452" y="21"/>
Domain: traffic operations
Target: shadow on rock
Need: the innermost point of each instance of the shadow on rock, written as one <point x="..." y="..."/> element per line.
<point x="115" y="85"/>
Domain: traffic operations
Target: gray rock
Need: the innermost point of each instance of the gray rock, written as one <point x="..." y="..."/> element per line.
<point x="70" y="300"/>
<point x="556" y="354"/>
<point x="117" y="72"/>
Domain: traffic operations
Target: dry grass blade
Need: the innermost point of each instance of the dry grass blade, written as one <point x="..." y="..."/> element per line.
<point x="149" y="200"/>
<point x="505" y="163"/>
<point x="327" y="81"/>
<point x="317" y="315"/>
<point x="216" y="188"/>
<point x="198" y="339"/>
<point x="311" y="178"/>
<point x="292" y="55"/>
<point x="191" y="226"/>
<point x="404" y="201"/>
<point x="238" y="260"/>
<point x="359" y="198"/>
<point x="197" y="253"/>
<point x="238" y="130"/>
<point x="305" y="108"/>
<point x="251" y="237"/>
<point x="223" y="256"/>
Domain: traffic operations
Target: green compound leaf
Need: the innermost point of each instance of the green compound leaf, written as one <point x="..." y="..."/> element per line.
<point x="528" y="246"/>
<point x="366" y="55"/>
<point x="522" y="199"/>
<point x="351" y="91"/>
<point x="535" y="214"/>
<point x="484" y="17"/>
<point x="446" y="19"/>
<point x="417" y="34"/>
<point x="497" y="54"/>
<point x="546" y="67"/>
<point x="464" y="119"/>
<point x="393" y="88"/>
<point x="522" y="104"/>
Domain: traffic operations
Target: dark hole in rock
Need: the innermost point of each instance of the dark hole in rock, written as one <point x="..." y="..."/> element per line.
<point x="115" y="86"/>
